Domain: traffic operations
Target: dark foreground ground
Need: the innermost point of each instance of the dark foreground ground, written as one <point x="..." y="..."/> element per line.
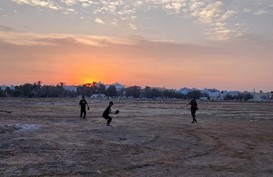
<point x="45" y="137"/>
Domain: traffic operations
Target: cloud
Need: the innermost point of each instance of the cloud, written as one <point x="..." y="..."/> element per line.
<point x="259" y="7"/>
<point x="174" y="6"/>
<point x="213" y="15"/>
<point x="227" y="15"/>
<point x="11" y="36"/>
<point x="99" y="21"/>
<point x="40" y="3"/>
<point x="69" y="2"/>
<point x="206" y="12"/>
<point x="261" y="12"/>
<point x="132" y="26"/>
<point x="124" y="13"/>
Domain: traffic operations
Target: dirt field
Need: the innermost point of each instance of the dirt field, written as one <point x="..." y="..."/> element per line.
<point x="45" y="137"/>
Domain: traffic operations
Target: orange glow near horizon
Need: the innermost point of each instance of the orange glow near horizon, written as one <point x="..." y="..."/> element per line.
<point x="136" y="65"/>
<point x="87" y="69"/>
<point x="89" y="80"/>
<point x="75" y="42"/>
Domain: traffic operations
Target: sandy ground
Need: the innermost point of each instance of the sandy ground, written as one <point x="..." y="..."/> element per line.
<point x="45" y="137"/>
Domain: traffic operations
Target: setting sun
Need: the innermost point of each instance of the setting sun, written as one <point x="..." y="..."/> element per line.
<point x="89" y="80"/>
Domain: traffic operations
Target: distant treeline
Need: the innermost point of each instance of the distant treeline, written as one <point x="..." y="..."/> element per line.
<point x="100" y="90"/>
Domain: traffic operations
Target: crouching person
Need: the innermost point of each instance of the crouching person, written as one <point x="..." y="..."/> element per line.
<point x="108" y="111"/>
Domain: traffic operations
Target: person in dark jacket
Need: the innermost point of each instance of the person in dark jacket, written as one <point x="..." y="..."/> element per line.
<point x="108" y="111"/>
<point x="83" y="103"/>
<point x="194" y="108"/>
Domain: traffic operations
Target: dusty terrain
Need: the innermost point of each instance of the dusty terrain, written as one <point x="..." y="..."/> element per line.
<point x="45" y="137"/>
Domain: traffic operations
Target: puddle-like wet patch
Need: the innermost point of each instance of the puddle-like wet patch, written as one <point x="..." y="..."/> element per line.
<point x="27" y="127"/>
<point x="5" y="128"/>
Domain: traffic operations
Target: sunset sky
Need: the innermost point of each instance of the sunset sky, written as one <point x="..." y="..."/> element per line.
<point x="225" y="44"/>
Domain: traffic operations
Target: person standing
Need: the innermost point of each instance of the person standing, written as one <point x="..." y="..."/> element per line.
<point x="194" y="108"/>
<point x="83" y="104"/>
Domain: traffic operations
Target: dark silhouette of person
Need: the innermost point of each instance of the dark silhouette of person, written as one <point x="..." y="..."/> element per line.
<point x="83" y="103"/>
<point x="194" y="108"/>
<point x="106" y="113"/>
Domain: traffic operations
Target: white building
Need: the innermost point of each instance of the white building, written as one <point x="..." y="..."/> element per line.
<point x="117" y="85"/>
<point x="234" y="93"/>
<point x="98" y="96"/>
<point x="70" y="88"/>
<point x="213" y="94"/>
<point x="262" y="96"/>
<point x="223" y="94"/>
<point x="3" y="87"/>
<point x="185" y="91"/>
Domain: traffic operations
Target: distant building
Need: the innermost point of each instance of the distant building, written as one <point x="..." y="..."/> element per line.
<point x="203" y="98"/>
<point x="98" y="96"/>
<point x="184" y="91"/>
<point x="223" y="94"/>
<point x="262" y="96"/>
<point x="117" y="85"/>
<point x="234" y="93"/>
<point x="213" y="94"/>
<point x="3" y="87"/>
<point x="70" y="88"/>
